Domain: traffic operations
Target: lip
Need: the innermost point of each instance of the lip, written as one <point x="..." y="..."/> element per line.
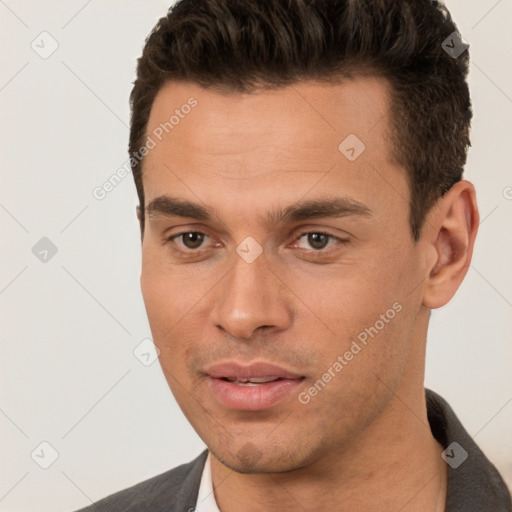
<point x="251" y="398"/>
<point x="234" y="370"/>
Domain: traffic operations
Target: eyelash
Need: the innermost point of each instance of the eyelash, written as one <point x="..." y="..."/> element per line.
<point x="313" y="252"/>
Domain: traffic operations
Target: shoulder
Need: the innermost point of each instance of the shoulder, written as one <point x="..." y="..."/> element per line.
<point x="175" y="489"/>
<point x="474" y="483"/>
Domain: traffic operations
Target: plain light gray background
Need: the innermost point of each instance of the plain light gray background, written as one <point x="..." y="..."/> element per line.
<point x="70" y="325"/>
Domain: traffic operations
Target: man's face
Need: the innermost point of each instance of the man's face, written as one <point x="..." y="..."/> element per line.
<point x="245" y="285"/>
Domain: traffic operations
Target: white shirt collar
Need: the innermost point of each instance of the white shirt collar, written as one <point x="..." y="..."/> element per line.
<point x="206" y="498"/>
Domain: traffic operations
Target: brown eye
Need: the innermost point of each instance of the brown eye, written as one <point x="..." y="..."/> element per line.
<point x="318" y="240"/>
<point x="192" y="240"/>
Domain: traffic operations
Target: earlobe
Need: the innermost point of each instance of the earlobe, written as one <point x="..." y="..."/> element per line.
<point x="456" y="223"/>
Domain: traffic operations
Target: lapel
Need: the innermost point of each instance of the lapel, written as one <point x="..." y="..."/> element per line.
<point x="184" y="499"/>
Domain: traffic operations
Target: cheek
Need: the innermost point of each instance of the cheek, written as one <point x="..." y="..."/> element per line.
<point x="166" y="299"/>
<point x="169" y="291"/>
<point x="359" y="313"/>
<point x="166" y="307"/>
<point x="176" y="302"/>
<point x="344" y="300"/>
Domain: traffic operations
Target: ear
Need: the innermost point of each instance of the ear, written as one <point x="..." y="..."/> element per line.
<point x="451" y="230"/>
<point x="141" y="221"/>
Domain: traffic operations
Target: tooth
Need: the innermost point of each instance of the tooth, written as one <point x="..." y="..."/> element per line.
<point x="261" y="379"/>
<point x="251" y="380"/>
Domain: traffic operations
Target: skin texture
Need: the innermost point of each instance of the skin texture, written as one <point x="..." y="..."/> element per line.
<point x="363" y="441"/>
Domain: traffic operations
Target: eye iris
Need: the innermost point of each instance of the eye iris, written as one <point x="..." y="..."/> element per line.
<point x="318" y="240"/>
<point x="193" y="240"/>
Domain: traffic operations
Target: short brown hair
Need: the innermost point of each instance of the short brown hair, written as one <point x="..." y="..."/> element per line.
<point x="243" y="45"/>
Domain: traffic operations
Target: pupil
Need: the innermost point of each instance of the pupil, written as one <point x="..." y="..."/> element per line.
<point x="193" y="240"/>
<point x="318" y="240"/>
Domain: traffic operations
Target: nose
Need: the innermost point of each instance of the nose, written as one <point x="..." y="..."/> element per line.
<point x="251" y="297"/>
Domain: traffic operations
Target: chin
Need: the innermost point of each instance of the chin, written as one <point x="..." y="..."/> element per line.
<point x="250" y="459"/>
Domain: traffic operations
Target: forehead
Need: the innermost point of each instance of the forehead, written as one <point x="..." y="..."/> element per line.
<point x="307" y="110"/>
<point x="269" y="143"/>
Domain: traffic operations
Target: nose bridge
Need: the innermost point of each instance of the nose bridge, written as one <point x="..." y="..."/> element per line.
<point x="250" y="297"/>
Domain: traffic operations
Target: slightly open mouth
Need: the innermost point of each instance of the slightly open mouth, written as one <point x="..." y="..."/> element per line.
<point x="253" y="381"/>
<point x="253" y="393"/>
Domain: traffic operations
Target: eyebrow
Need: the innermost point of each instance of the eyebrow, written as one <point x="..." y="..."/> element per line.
<point x="333" y="207"/>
